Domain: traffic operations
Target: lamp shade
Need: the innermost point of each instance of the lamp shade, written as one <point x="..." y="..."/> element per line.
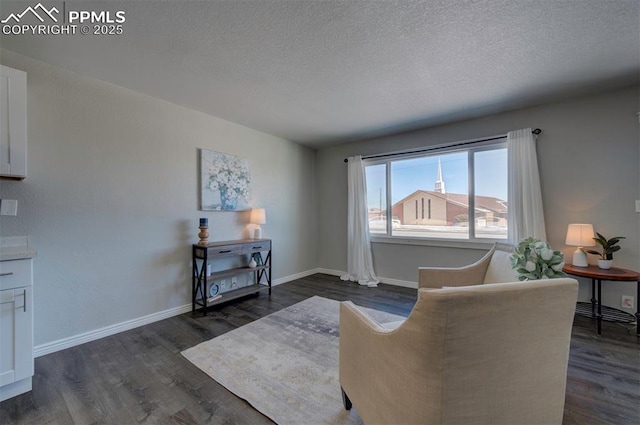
<point x="580" y="235"/>
<point x="258" y="216"/>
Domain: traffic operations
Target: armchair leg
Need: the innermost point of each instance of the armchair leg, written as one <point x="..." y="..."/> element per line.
<point x="345" y="400"/>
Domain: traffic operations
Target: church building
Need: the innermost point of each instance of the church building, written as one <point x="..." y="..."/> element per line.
<point x="439" y="208"/>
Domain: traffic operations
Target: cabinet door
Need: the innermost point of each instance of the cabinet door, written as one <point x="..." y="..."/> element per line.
<point x="16" y="335"/>
<point x="13" y="122"/>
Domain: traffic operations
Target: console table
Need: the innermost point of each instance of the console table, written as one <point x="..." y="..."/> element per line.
<point x="597" y="275"/>
<point x="243" y="250"/>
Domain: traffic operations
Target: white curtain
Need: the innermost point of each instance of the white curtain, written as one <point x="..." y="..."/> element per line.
<point x="525" y="214"/>
<point x="359" y="261"/>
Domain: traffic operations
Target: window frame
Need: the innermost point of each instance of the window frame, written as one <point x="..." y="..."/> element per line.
<point x="472" y="241"/>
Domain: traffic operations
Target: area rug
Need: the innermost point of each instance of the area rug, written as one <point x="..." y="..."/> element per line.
<point x="285" y="364"/>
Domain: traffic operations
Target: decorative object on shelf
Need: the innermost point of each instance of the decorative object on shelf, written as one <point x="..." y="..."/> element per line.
<point x="258" y="217"/>
<point x="535" y="259"/>
<point x="214" y="290"/>
<point x="609" y="246"/>
<point x="225" y="181"/>
<point x="252" y="263"/>
<point x="605" y="264"/>
<point x="257" y="257"/>
<point x="204" y="232"/>
<point x="580" y="235"/>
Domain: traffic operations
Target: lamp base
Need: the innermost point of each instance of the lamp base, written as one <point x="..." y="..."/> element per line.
<point x="580" y="258"/>
<point x="257" y="233"/>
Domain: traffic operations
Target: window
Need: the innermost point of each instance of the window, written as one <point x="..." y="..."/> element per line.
<point x="465" y="191"/>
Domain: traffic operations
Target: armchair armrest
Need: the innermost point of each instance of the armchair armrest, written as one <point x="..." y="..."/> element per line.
<point x="385" y="364"/>
<point x="365" y="358"/>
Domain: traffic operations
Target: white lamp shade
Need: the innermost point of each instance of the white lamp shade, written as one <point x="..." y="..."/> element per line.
<point x="258" y="216"/>
<point x="580" y="235"/>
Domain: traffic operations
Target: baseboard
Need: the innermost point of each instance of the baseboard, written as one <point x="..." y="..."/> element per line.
<point x="15" y="388"/>
<point x="289" y="278"/>
<point x="385" y="280"/>
<point x="330" y="272"/>
<point x="72" y="341"/>
<point x="397" y="282"/>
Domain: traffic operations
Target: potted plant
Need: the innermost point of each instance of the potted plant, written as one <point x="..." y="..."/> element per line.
<point x="609" y="246"/>
<point x="534" y="259"/>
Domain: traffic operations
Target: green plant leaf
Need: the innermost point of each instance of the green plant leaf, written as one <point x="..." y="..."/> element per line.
<point x="615" y="240"/>
<point x="601" y="242"/>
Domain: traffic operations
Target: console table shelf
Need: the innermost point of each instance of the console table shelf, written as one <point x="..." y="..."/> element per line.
<point x="609" y="314"/>
<point x="245" y="249"/>
<point x="235" y="293"/>
<point x="233" y="272"/>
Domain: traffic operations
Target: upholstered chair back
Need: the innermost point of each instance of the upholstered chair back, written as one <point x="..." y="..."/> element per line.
<point x="495" y="353"/>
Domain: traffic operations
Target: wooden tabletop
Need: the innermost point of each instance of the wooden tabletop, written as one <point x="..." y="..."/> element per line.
<point x="233" y="242"/>
<point x="595" y="272"/>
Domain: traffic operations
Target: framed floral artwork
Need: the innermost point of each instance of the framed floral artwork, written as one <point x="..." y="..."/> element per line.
<point x="225" y="182"/>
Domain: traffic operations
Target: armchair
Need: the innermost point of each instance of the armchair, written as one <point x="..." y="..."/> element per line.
<point x="481" y="354"/>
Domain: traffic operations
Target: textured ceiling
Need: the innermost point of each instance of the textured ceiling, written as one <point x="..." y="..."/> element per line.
<point x="325" y="72"/>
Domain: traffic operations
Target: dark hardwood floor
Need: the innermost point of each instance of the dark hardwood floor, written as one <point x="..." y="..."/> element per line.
<point x="139" y="376"/>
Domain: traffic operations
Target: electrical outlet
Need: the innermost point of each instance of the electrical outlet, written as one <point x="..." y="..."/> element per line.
<point x="234" y="282"/>
<point x="627" y="301"/>
<point x="223" y="284"/>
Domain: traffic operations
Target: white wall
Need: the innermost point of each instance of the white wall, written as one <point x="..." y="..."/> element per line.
<point x="111" y="199"/>
<point x="588" y="157"/>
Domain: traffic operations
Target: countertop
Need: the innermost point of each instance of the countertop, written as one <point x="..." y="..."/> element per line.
<point x="15" y="248"/>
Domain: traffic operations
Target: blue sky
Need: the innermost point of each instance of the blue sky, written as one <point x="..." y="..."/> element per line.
<point x="421" y="173"/>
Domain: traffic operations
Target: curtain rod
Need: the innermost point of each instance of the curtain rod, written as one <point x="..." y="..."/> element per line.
<point x="470" y="142"/>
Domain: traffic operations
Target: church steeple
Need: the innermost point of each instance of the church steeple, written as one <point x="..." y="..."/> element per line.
<point x="439" y="182"/>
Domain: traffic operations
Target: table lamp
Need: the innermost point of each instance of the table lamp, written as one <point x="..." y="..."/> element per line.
<point x="258" y="217"/>
<point x="580" y="235"/>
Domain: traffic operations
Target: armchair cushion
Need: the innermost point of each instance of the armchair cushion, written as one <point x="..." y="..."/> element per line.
<point x="500" y="270"/>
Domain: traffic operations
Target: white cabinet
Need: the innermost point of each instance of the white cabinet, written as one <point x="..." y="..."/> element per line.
<point x="16" y="327"/>
<point x="13" y="123"/>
